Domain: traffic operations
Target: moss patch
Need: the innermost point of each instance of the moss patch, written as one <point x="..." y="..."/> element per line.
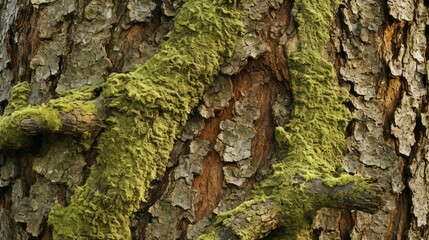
<point x="18" y="98"/>
<point x="149" y="107"/>
<point x="313" y="141"/>
<point x="314" y="138"/>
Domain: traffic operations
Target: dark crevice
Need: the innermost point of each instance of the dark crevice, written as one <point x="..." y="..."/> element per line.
<point x="419" y="133"/>
<point x="69" y="39"/>
<point x="425" y="78"/>
<point x="54" y="83"/>
<point x="277" y="233"/>
<point x="388" y="19"/>
<point x="315" y="234"/>
<point x="403" y="90"/>
<point x="3" y="105"/>
<point x="182" y="226"/>
<point x="36" y="146"/>
<point x="340" y="58"/>
<point x="157" y="13"/>
<point x="350" y="129"/>
<point x="403" y="220"/>
<point x="351" y="86"/>
<point x="12" y="50"/>
<point x="346" y="224"/>
<point x="5" y="199"/>
<point x="404" y="217"/>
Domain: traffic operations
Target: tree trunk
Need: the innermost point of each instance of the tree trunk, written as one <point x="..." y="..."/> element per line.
<point x="379" y="50"/>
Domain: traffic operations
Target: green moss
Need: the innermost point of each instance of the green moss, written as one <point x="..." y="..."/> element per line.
<point x="344" y="179"/>
<point x="18" y="109"/>
<point x="313" y="141"/>
<point x="149" y="107"/>
<point x="314" y="138"/>
<point x="210" y="236"/>
<point x="18" y="98"/>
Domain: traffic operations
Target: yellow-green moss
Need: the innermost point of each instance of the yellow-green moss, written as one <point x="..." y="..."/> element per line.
<point x="18" y="109"/>
<point x="19" y="98"/>
<point x="313" y="140"/>
<point x="149" y="106"/>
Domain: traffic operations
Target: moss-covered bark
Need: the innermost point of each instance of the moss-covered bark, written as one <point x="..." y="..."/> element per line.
<point x="149" y="106"/>
<point x="313" y="141"/>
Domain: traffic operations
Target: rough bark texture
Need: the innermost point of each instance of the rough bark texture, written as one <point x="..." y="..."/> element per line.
<point x="379" y="49"/>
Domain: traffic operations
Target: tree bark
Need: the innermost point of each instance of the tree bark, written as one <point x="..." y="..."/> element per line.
<point x="379" y="52"/>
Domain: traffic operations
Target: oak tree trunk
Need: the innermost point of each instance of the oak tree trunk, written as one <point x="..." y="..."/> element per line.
<point x="379" y="49"/>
